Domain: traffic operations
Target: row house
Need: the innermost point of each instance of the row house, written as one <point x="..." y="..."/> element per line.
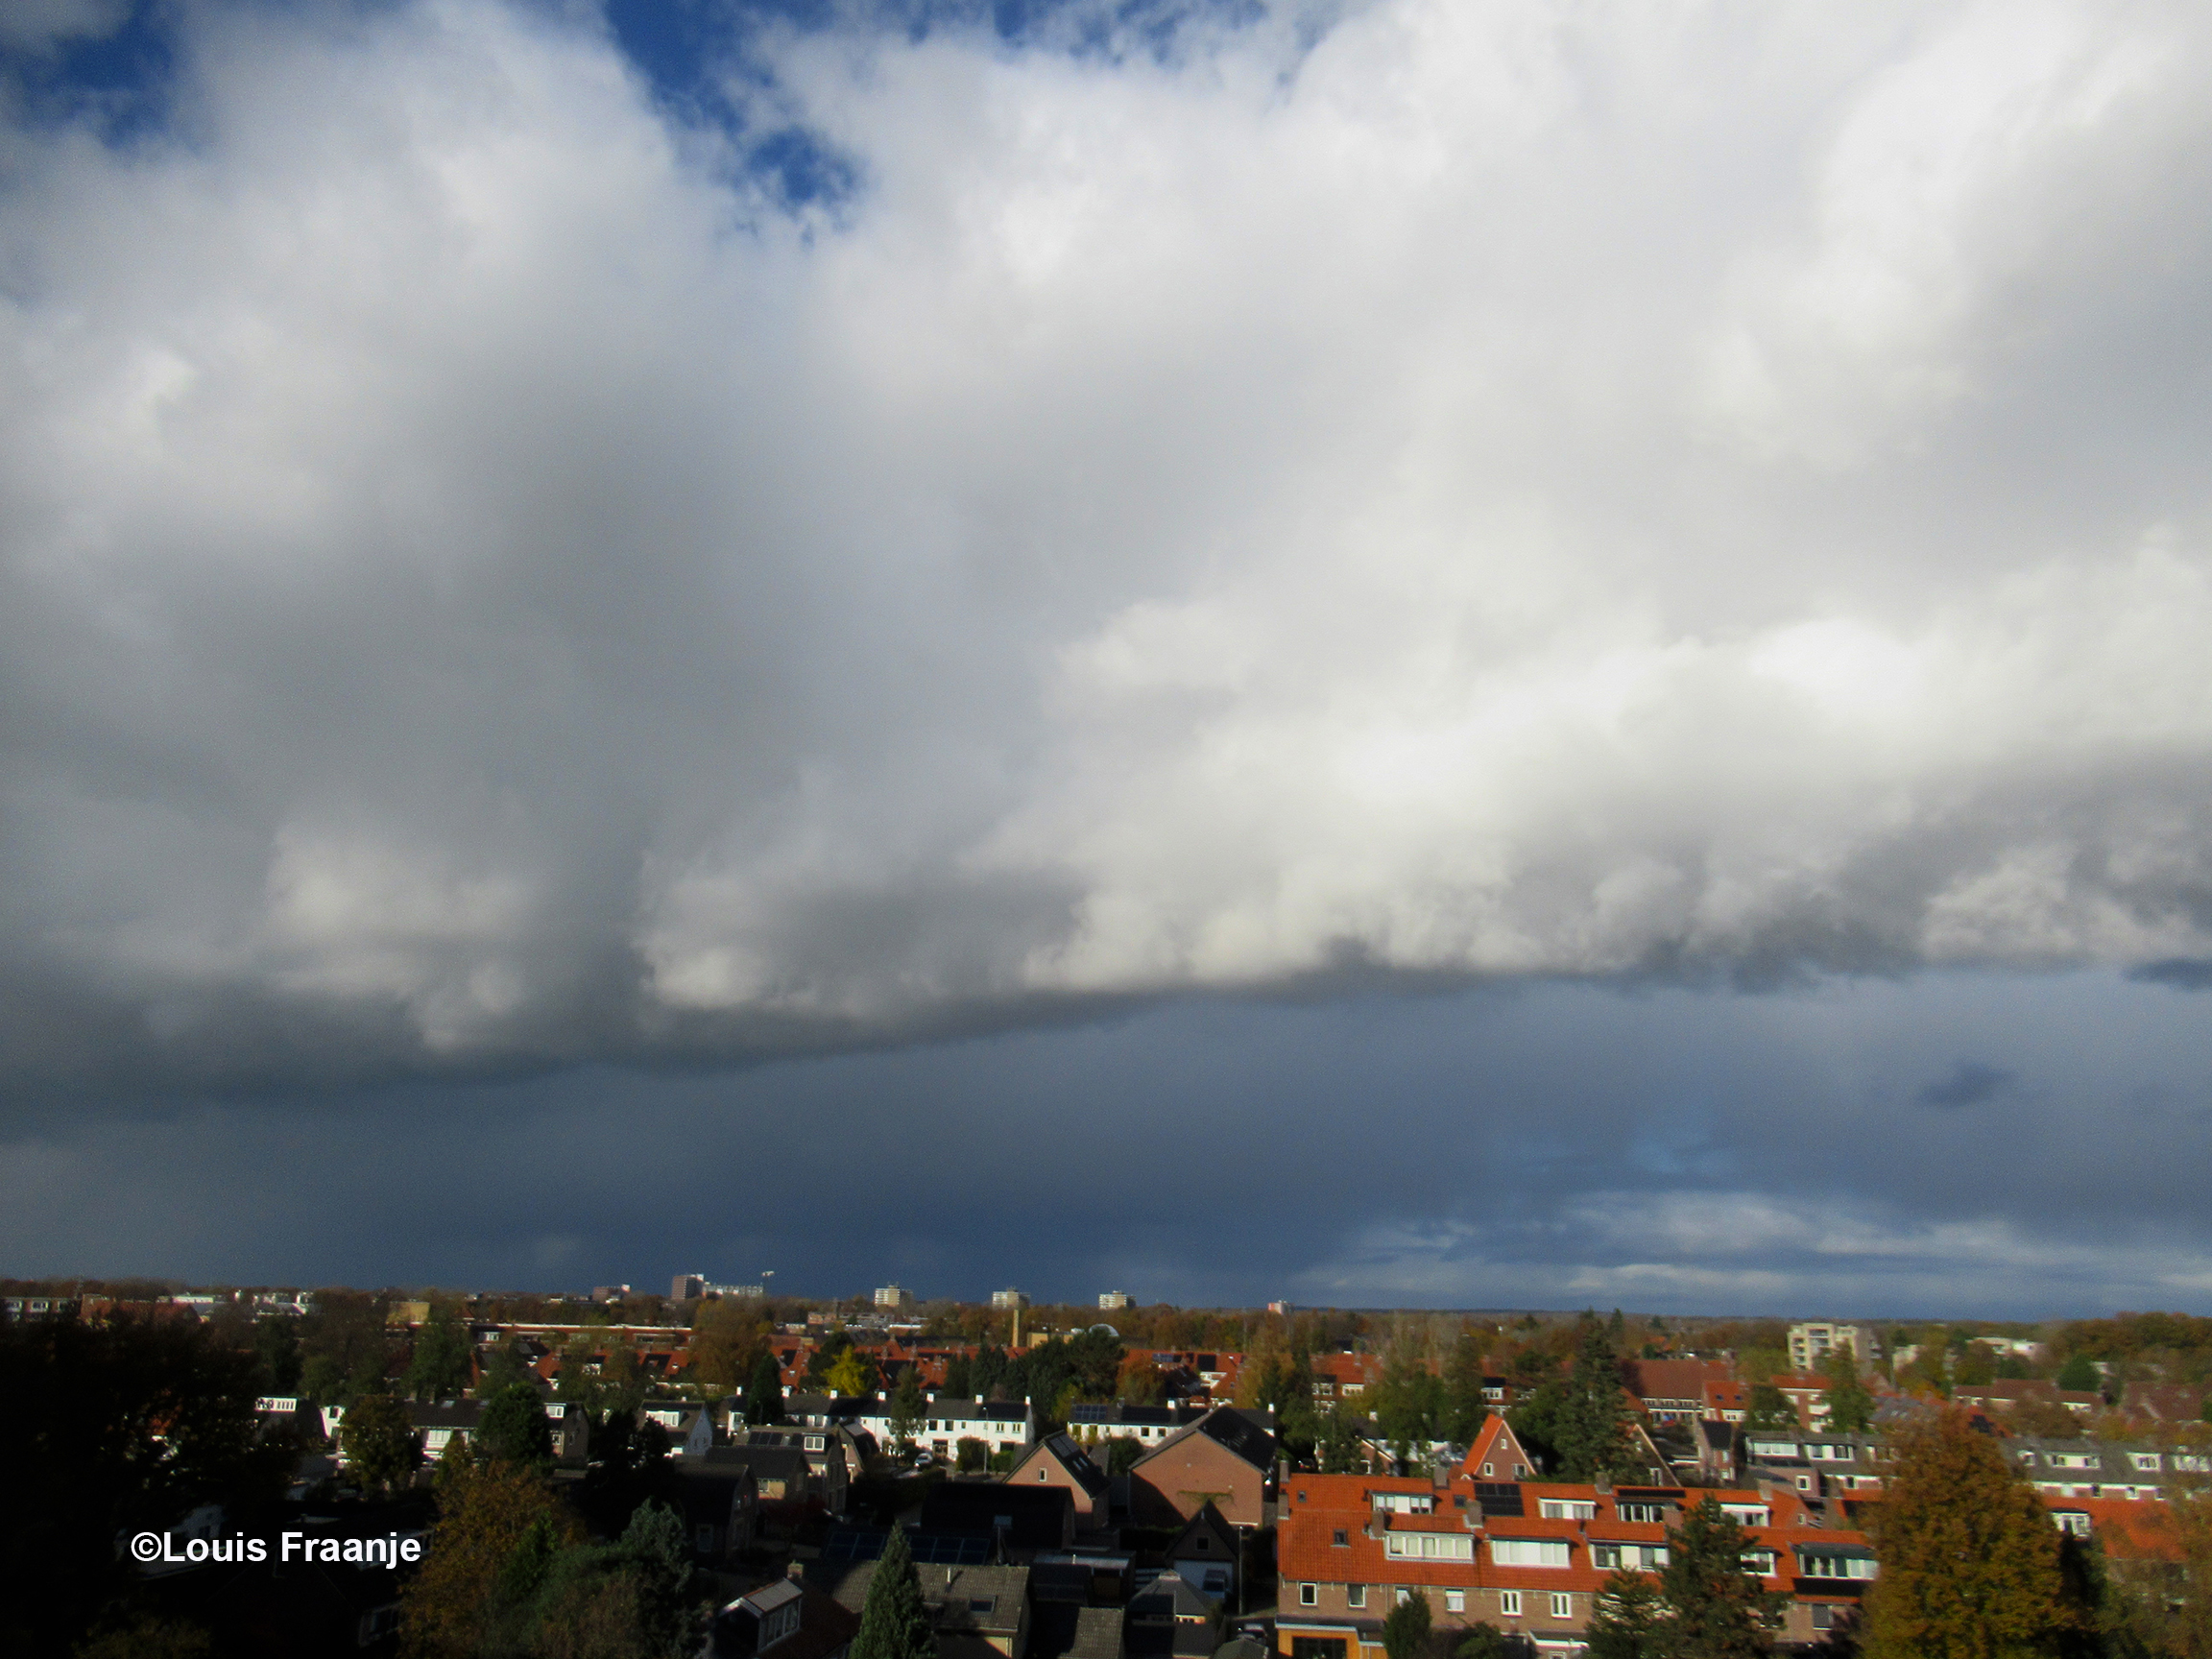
<point x="1146" y="1425"/>
<point x="1345" y="1376"/>
<point x="1529" y="1558"/>
<point x="1814" y="1465"/>
<point x="2137" y="1471"/>
<point x="946" y="1420"/>
<point x="2001" y="1399"/>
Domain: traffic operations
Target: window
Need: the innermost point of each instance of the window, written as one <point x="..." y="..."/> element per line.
<point x="1745" y="1514"/>
<point x="1529" y="1552"/>
<point x="1454" y="1601"/>
<point x="1403" y="1596"/>
<point x="1519" y="1471"/>
<point x="1431" y="1547"/>
<point x="706" y="1540"/>
<point x="1509" y="1603"/>
<point x="1487" y="1472"/>
<point x="1341" y="1539"/>
<point x="2071" y="1520"/>
<point x="1354" y="1595"/>
<point x="1567" y="1509"/>
<point x="1823" y="1616"/>
<point x="1759" y="1561"/>
<point x="1650" y="1557"/>
<point x="1309" y="1594"/>
<point x="1562" y="1605"/>
<point x="1837" y="1567"/>
<point x="2146" y="1462"/>
<point x="1648" y="1514"/>
<point x="981" y="1603"/>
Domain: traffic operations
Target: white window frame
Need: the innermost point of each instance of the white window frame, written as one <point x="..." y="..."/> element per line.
<point x="1509" y="1603"/>
<point x="1562" y="1604"/>
<point x="1309" y="1594"/>
<point x="1454" y="1601"/>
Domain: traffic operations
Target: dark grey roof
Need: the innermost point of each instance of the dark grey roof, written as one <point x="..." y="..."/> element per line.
<point x="1063" y="1631"/>
<point x="1077" y="1462"/>
<point x="1034" y="1517"/>
<point x="446" y="1414"/>
<point x="1236" y="1431"/>
<point x="786" y="1463"/>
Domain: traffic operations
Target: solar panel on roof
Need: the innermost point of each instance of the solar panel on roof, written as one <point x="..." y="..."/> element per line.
<point x="1498" y="1497"/>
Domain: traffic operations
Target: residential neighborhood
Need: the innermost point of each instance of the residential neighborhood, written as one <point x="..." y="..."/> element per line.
<point x="1177" y="1484"/>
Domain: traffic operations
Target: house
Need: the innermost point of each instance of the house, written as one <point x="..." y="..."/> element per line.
<point x="689" y="1424"/>
<point x="1527" y="1557"/>
<point x="1498" y="1454"/>
<point x="721" y="1507"/>
<point x="1207" y="1554"/>
<point x="1673" y="1390"/>
<point x="439" y="1424"/>
<point x="1056" y="1461"/>
<point x="2132" y="1471"/>
<point x="1225" y="1458"/>
<point x="1814" y="1463"/>
<point x="1001" y="1424"/>
<point x="1146" y="1425"/>
<point x="780" y="1474"/>
<point x="1018" y="1520"/>
<point x="786" y="1619"/>
<point x="1725" y="1401"/>
<point x="1344" y="1376"/>
<point x="977" y="1611"/>
<point x="1171" y="1618"/>
<point x="2162" y="1401"/>
<point x="835" y="1460"/>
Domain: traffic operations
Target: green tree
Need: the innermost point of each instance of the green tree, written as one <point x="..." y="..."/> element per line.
<point x="656" y="1554"/>
<point x="894" y="1622"/>
<point x="1850" y="1404"/>
<point x="1970" y="1562"/>
<point x="1715" y="1609"/>
<point x="378" y="1442"/>
<point x="906" y="1408"/>
<point x="1483" y="1641"/>
<point x="764" y="1392"/>
<point x="1627" y="1618"/>
<point x="972" y="1454"/>
<point x="1406" y="1628"/>
<point x="276" y="1350"/>
<point x="1768" y="1407"/>
<point x="1464" y="1408"/>
<point x="1339" y="1444"/>
<point x="498" y="1535"/>
<point x="506" y="1366"/>
<point x="959" y="1378"/>
<point x="440" y="1369"/>
<point x="1590" y="1425"/>
<point x="2079" y="1375"/>
<point x="515" y="1428"/>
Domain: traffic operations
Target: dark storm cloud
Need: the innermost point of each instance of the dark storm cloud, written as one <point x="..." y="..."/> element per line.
<point x="1551" y="1145"/>
<point x="1969" y="1083"/>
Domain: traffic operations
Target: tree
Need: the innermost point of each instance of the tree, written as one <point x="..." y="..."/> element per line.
<point x="764" y="1392"/>
<point x="1715" y="1609"/>
<point x="276" y="1350"/>
<point x="514" y="1429"/>
<point x="440" y="1369"/>
<point x="1590" y="1425"/>
<point x="972" y="1454"/>
<point x="2164" y="1607"/>
<point x="1339" y="1444"/>
<point x="2079" y="1375"/>
<point x="498" y="1533"/>
<point x="506" y="1366"/>
<point x="1850" y="1404"/>
<point x="907" y="1407"/>
<point x="959" y="1378"/>
<point x="1768" y="1407"/>
<point x="851" y="1375"/>
<point x="1406" y="1628"/>
<point x="894" y="1622"/>
<point x="108" y="1431"/>
<point x="1970" y="1562"/>
<point x="1483" y="1641"/>
<point x="1465" y="1409"/>
<point x="378" y="1443"/>
<point x="725" y="1342"/>
<point x="656" y="1554"/>
<point x="1627" y="1619"/>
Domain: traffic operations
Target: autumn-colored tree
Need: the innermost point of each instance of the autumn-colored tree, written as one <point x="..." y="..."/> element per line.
<point x="1970" y="1562"/>
<point x="499" y="1528"/>
<point x="726" y="1342"/>
<point x="850" y="1375"/>
<point x="2164" y="1607"/>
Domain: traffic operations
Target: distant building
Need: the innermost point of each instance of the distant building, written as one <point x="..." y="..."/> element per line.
<point x="609" y="1292"/>
<point x="687" y="1287"/>
<point x="1008" y="1298"/>
<point x="892" y="1297"/>
<point x="1811" y="1344"/>
<point x="1115" y="1299"/>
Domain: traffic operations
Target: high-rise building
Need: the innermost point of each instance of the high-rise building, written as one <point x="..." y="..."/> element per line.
<point x="686" y="1287"/>
<point x="898" y="1301"/>
<point x="1009" y="1298"/>
<point x="1115" y="1299"/>
<point x="1811" y="1344"/>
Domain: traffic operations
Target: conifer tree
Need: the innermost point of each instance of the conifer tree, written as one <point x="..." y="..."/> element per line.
<point x="1628" y="1619"/>
<point x="764" y="1392"/>
<point x="894" y="1623"/>
<point x="1716" y="1609"/>
<point x="1970" y="1562"/>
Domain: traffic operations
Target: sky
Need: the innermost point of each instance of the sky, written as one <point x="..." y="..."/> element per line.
<point x="1396" y="653"/>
